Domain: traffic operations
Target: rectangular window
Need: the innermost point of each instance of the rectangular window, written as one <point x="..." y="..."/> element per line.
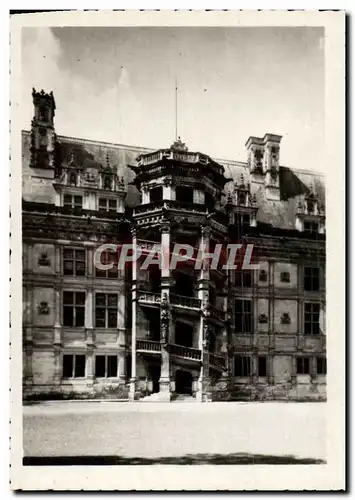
<point x="156" y="194"/>
<point x="184" y="194"/>
<point x="108" y="257"/>
<point x="106" y="310"/>
<point x="311" y="318"/>
<point x="311" y="227"/>
<point x="74" y="365"/>
<point x="107" y="205"/>
<point x="73" y="309"/>
<point x="105" y="366"/>
<point x="321" y="366"/>
<point x="242" y="221"/>
<point x="73" y="201"/>
<point x="311" y="279"/>
<point x="243" y="278"/>
<point x="243" y="316"/>
<point x="74" y="262"/>
<point x="302" y="365"/>
<point x="262" y="366"/>
<point x="241" y="366"/>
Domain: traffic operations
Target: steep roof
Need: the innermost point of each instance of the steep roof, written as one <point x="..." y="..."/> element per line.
<point x="294" y="184"/>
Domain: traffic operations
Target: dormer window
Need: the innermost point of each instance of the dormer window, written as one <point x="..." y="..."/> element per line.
<point x="72" y="178"/>
<point x="107" y="205"/>
<point x="241" y="198"/>
<point x="311" y="207"/>
<point x="107" y="182"/>
<point x="73" y="201"/>
<point x="311" y="227"/>
<point x="243" y="220"/>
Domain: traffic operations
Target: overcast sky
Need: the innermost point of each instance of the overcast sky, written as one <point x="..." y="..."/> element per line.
<point x="118" y="85"/>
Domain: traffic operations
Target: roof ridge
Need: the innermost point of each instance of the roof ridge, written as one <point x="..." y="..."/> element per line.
<point x="143" y="149"/>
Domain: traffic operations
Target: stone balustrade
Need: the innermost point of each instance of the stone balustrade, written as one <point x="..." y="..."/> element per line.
<point x="185" y="352"/>
<point x="148" y="345"/>
<point x="182" y="301"/>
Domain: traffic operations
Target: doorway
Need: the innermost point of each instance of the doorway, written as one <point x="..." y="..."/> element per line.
<point x="184" y="334"/>
<point x="154" y="375"/>
<point x="183" y="382"/>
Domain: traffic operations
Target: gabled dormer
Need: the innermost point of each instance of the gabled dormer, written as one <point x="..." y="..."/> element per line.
<point x="241" y="204"/>
<point x="310" y="216"/>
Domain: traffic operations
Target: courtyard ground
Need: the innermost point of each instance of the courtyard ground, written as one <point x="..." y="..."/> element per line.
<point x="181" y="433"/>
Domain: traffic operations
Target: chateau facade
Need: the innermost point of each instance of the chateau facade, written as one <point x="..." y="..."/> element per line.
<point x="159" y="334"/>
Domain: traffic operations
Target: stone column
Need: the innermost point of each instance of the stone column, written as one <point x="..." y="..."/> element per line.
<point x="57" y="365"/>
<point x="28" y="340"/>
<point x="133" y="393"/>
<point x="122" y="366"/>
<point x="90" y="365"/>
<point x="165" y="314"/>
<point x="89" y="314"/>
<point x="28" y="375"/>
<point x="204" y="385"/>
<point x="145" y="195"/>
<point x="294" y="371"/>
<point x="270" y="368"/>
<point x="167" y="189"/>
<point x="121" y="334"/>
<point x="313" y="369"/>
<point x="57" y="343"/>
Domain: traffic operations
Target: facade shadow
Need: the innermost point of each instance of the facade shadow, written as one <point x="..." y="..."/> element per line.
<point x="197" y="459"/>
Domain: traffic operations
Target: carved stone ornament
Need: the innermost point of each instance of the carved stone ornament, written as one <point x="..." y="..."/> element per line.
<point x="43" y="260"/>
<point x="285" y="319"/>
<point x="43" y="308"/>
<point x="206" y="336"/>
<point x="164" y="325"/>
<point x="263" y="319"/>
<point x="285" y="277"/>
<point x="263" y="275"/>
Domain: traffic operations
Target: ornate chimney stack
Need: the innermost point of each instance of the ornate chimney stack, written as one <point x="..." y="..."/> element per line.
<point x="272" y="166"/>
<point x="42" y="130"/>
<point x="264" y="163"/>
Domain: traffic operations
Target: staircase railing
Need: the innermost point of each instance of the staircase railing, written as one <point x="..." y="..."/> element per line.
<point x="148" y="345"/>
<point x="185" y="352"/>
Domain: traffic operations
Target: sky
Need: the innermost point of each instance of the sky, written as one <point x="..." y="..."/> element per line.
<point x="117" y="85"/>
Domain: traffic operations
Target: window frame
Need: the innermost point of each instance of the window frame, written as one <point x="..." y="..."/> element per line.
<point x="300" y="362"/>
<point x="245" y="362"/>
<point x="321" y="362"/>
<point x="250" y="314"/>
<point x="263" y="356"/>
<point x="106" y="356"/>
<point x="312" y="330"/>
<point x="111" y="274"/>
<point x="74" y="306"/>
<point x="74" y="356"/>
<point x="244" y="273"/>
<point x="73" y="205"/>
<point x="313" y="227"/>
<point x="106" y="308"/>
<point x="74" y="260"/>
<point x="311" y="277"/>
<point x="107" y="208"/>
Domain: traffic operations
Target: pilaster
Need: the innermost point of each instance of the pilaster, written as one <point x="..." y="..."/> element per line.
<point x="165" y="313"/>
<point x="133" y="393"/>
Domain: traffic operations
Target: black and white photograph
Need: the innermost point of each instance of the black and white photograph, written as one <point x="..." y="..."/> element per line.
<point x="176" y="207"/>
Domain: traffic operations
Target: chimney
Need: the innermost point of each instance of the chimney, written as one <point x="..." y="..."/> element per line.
<point x="272" y="166"/>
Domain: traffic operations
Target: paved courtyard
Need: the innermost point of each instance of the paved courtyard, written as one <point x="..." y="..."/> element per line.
<point x="145" y="433"/>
